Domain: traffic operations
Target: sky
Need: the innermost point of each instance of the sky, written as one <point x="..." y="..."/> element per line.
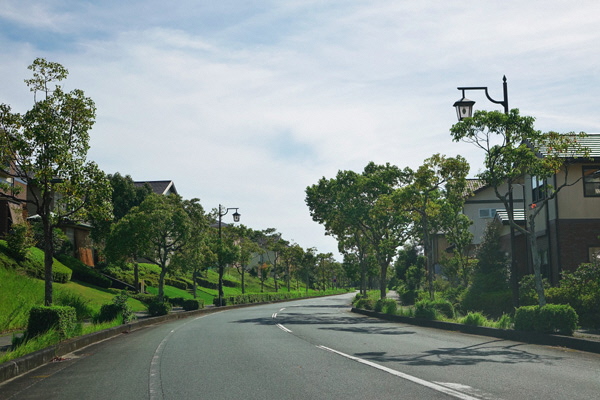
<point x="246" y="103"/>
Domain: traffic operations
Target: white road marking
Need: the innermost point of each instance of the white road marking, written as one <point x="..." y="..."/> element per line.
<point x="419" y="381"/>
<point x="283" y="328"/>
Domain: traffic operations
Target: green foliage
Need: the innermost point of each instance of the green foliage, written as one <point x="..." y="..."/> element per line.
<point x="84" y="273"/>
<point x="387" y="306"/>
<point x="425" y="309"/>
<point x="19" y="240"/>
<point x="42" y="319"/>
<point x="157" y="308"/>
<point x="490" y="292"/>
<point x="118" y="308"/>
<point x="80" y="304"/>
<point x="581" y="290"/>
<point x="527" y="293"/>
<point x="474" y="319"/>
<point x="192" y="304"/>
<point x="34" y="265"/>
<point x="505" y="322"/>
<point x="60" y="241"/>
<point x="551" y="318"/>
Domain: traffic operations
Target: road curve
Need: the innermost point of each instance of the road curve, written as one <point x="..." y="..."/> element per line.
<point x="313" y="349"/>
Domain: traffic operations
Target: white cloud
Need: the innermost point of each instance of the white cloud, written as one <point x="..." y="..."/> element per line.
<point x="248" y="105"/>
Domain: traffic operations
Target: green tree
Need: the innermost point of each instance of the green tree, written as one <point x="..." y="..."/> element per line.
<point x="167" y="230"/>
<point x="514" y="149"/>
<point x="247" y="249"/>
<point x="436" y="190"/>
<point x="358" y="211"/>
<point x="48" y="147"/>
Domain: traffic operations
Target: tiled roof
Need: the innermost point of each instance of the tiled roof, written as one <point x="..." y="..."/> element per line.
<point x="473" y="185"/>
<point x="159" y="187"/>
<point x="591" y="142"/>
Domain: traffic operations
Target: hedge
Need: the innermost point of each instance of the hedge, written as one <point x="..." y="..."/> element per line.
<point x="42" y="319"/>
<point x="551" y="318"/>
<point x="84" y="273"/>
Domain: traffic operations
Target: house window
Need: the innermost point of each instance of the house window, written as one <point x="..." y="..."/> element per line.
<point x="591" y="181"/>
<point x="487" y="212"/>
<point x="538" y="189"/>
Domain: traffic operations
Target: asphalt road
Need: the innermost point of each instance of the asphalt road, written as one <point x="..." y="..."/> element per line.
<point x="308" y="349"/>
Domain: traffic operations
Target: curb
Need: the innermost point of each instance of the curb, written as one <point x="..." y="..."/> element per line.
<point x="590" y="346"/>
<point x="13" y="368"/>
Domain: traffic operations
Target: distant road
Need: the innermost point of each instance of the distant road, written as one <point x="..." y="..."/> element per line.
<point x="308" y="349"/>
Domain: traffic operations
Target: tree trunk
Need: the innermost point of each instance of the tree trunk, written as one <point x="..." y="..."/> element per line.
<point x="136" y="276"/>
<point x="243" y="282"/>
<point x="537" y="268"/>
<point x="161" y="283"/>
<point x="382" y="285"/>
<point x="48" y="260"/>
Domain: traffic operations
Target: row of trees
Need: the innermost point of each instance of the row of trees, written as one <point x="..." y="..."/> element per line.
<point x="47" y="148"/>
<point x="374" y="213"/>
<point x="384" y="209"/>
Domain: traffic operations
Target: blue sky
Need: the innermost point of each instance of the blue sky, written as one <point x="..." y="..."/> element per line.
<point x="246" y="103"/>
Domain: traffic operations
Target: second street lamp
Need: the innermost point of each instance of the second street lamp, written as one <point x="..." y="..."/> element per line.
<point x="236" y="218"/>
<point x="464" y="109"/>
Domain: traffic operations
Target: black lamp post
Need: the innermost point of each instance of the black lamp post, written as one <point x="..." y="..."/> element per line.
<point x="464" y="109"/>
<point x="236" y="218"/>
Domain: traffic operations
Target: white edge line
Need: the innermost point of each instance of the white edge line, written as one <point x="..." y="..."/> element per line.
<point x="411" y="378"/>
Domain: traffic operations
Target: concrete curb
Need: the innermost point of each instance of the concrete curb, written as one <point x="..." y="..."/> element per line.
<point x="590" y="346"/>
<point x="18" y="366"/>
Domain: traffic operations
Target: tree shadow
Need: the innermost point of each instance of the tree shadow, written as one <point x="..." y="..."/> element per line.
<point x="493" y="352"/>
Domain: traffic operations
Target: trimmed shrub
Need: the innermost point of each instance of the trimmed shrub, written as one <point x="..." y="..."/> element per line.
<point x="42" y="319"/>
<point x="80" y="304"/>
<point x="175" y="301"/>
<point x="425" y="309"/>
<point x="444" y="307"/>
<point x="157" y="308"/>
<point x="193" y="304"/>
<point x="178" y="283"/>
<point x="551" y="318"/>
<point x="365" y="304"/>
<point x="84" y="273"/>
<point x="390" y="306"/>
<point x="408" y="297"/>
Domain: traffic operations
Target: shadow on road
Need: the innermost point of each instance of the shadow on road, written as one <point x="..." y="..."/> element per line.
<point x="495" y="351"/>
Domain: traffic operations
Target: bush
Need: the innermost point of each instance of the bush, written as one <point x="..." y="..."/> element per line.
<point x="387" y="306"/>
<point x="408" y="297"/>
<point x="178" y="283"/>
<point x="425" y="309"/>
<point x="84" y="273"/>
<point x="193" y="304"/>
<point x="34" y="266"/>
<point x="505" y="322"/>
<point x="551" y="318"/>
<point x="118" y="307"/>
<point x="42" y="319"/>
<point x="474" y="319"/>
<point x="365" y="304"/>
<point x="444" y="307"/>
<point x="157" y="308"/>
<point x="19" y="240"/>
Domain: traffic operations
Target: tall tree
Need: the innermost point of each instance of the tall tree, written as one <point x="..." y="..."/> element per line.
<point x="48" y="146"/>
<point x="436" y="189"/>
<point x="514" y="149"/>
<point x="247" y="249"/>
<point x="358" y="210"/>
<point x="167" y="228"/>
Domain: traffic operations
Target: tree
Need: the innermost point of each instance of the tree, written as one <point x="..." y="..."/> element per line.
<point x="292" y="259"/>
<point x="196" y="252"/>
<point x="167" y="230"/>
<point x="357" y="209"/>
<point x="247" y="248"/>
<point x="436" y="190"/>
<point x="48" y="147"/>
<point x="514" y="149"/>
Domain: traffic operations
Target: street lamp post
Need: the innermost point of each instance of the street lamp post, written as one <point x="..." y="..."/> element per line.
<point x="464" y="109"/>
<point x="236" y="218"/>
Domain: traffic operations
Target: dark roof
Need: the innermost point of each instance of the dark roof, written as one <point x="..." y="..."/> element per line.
<point x="159" y="187"/>
<point x="474" y="185"/>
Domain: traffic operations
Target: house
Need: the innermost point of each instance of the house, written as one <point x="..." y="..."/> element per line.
<point x="12" y="201"/>
<point x="164" y="188"/>
<point x="567" y="230"/>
